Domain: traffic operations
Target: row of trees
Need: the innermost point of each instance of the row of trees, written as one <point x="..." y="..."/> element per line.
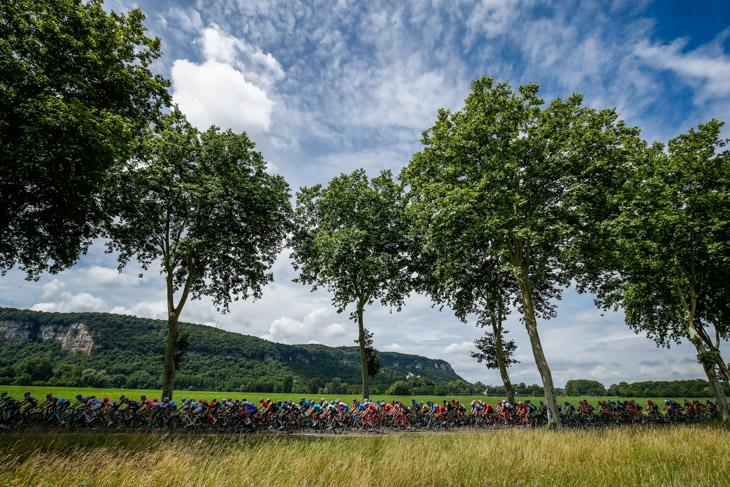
<point x="508" y="202"/>
<point x="655" y="389"/>
<point x="514" y="201"/>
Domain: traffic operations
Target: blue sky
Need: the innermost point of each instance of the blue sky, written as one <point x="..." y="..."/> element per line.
<point x="326" y="87"/>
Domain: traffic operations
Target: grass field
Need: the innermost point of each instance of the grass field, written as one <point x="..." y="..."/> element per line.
<point x="670" y="456"/>
<point x="70" y="392"/>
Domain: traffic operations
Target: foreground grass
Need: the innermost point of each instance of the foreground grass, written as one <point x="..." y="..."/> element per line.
<point x="682" y="456"/>
<point x="70" y="392"/>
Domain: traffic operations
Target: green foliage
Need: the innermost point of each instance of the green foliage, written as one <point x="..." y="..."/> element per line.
<point x="501" y="185"/>
<point x="374" y="364"/>
<point x="205" y="206"/>
<point x="666" y="389"/>
<point x="672" y="238"/>
<point x="487" y="350"/>
<point x="399" y="388"/>
<point x="352" y="238"/>
<point x="76" y="93"/>
<point x="141" y="379"/>
<point x="582" y="387"/>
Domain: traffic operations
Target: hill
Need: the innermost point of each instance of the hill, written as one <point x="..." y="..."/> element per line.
<point x="108" y="350"/>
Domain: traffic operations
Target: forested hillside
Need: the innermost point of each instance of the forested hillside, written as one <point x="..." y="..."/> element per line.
<point x="108" y="350"/>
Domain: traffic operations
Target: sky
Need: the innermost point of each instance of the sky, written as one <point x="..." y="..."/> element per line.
<point x="327" y="87"/>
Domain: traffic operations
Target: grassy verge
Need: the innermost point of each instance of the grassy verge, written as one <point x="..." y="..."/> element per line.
<point x="682" y="456"/>
<point x="70" y="392"/>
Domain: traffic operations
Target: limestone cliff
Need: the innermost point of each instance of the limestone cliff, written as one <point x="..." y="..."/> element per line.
<point x="74" y="337"/>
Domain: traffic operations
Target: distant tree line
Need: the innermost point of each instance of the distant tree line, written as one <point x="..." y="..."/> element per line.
<point x="657" y="389"/>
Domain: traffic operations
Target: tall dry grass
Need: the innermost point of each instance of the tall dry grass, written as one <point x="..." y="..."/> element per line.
<point x="682" y="456"/>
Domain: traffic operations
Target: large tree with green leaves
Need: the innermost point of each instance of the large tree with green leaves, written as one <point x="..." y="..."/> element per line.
<point x="515" y="176"/>
<point x="203" y="205"/>
<point x="456" y="269"/>
<point x="669" y="253"/>
<point x="76" y="92"/>
<point x="351" y="238"/>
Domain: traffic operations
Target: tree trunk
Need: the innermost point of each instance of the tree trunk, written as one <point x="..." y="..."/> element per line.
<point x="690" y="308"/>
<point x="363" y="354"/>
<point x="496" y="320"/>
<point x="542" y="365"/>
<point x="173" y="332"/>
<point x="722" y="405"/>
<point x="520" y="258"/>
<point x="168" y="365"/>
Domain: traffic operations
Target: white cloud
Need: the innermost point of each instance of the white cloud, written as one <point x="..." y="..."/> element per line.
<point x="146" y="309"/>
<point x="215" y="93"/>
<point x="459" y="347"/>
<point x="707" y="64"/>
<point x="393" y="347"/>
<point x="230" y="88"/>
<point x="60" y="300"/>
<point x="312" y="327"/>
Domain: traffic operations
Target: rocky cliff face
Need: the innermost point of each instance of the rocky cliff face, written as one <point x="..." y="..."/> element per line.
<point x="74" y="337"/>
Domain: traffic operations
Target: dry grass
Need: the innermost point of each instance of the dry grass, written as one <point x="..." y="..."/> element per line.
<point x="683" y="456"/>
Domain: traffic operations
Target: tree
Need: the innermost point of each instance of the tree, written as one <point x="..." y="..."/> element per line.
<point x="314" y="385"/>
<point x="371" y="355"/>
<point x="288" y="384"/>
<point x="584" y="387"/>
<point x="204" y="205"/>
<point x="399" y="388"/>
<point x="461" y="273"/>
<point x="76" y="93"/>
<point x="496" y="353"/>
<point x="512" y="175"/>
<point x="670" y="248"/>
<point x="351" y="238"/>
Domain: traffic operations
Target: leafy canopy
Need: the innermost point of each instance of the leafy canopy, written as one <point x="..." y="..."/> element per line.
<point x="205" y="206"/>
<point x="76" y="92"/>
<point x="351" y="238"/>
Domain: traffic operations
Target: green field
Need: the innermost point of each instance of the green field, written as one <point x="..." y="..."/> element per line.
<point x="670" y="456"/>
<point x="70" y="392"/>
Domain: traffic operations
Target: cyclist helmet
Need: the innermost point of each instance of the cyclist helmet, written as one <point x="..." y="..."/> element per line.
<point x="48" y="396"/>
<point x="54" y="399"/>
<point x="26" y="394"/>
<point x="3" y="394"/>
<point x="106" y="398"/>
<point x="79" y="396"/>
<point x="121" y="397"/>
<point x="261" y="399"/>
<point x="185" y="399"/>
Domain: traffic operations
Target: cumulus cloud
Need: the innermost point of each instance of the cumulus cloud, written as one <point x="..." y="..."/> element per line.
<point x="312" y="328"/>
<point x="459" y="347"/>
<point x="58" y="299"/>
<point x="393" y="347"/>
<point x="230" y="88"/>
